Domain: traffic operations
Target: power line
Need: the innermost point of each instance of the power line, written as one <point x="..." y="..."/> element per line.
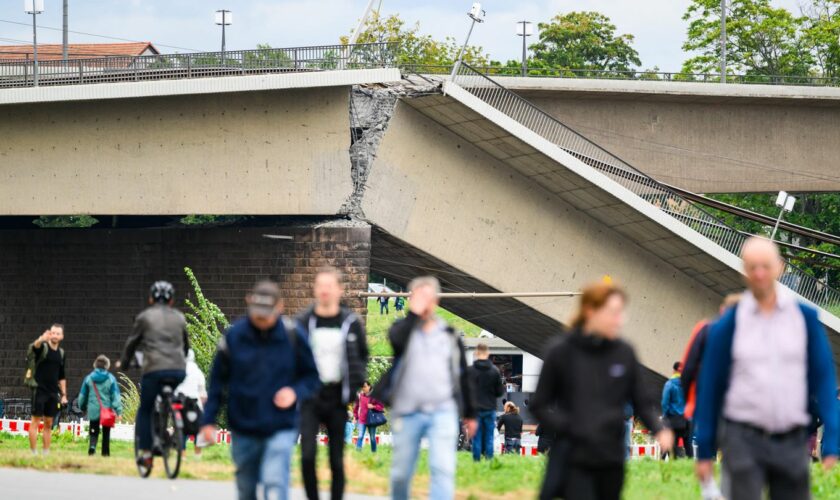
<point x="100" y="36"/>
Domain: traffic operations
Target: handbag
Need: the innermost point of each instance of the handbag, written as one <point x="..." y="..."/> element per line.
<point x="375" y="418"/>
<point x="107" y="416"/>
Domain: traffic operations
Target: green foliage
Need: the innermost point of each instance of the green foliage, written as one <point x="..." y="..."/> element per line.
<point x="377" y="366"/>
<point x="414" y="48"/>
<point x="64" y="221"/>
<point x="761" y="40"/>
<point x="267" y="57"/>
<point x="211" y="220"/>
<point x="821" y="33"/>
<point x="130" y="398"/>
<point x="205" y="324"/>
<point x="584" y="41"/>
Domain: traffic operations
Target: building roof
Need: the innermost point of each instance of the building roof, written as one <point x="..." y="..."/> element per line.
<point x="53" y="51"/>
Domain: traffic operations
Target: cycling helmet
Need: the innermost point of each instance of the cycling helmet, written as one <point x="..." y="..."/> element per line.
<point x="162" y="291"/>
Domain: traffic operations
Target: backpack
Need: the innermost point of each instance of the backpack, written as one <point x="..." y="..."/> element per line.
<point x="33" y="359"/>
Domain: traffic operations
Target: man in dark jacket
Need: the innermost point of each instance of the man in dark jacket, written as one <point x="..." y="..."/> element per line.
<point x="487" y="387"/>
<point x="265" y="367"/>
<point x="160" y="334"/>
<point x="426" y="388"/>
<point x="337" y="339"/>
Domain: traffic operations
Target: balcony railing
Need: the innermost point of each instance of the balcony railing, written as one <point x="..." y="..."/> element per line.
<point x="679" y="208"/>
<point x="85" y="70"/>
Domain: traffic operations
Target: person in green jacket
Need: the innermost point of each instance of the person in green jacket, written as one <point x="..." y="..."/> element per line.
<point x="109" y="392"/>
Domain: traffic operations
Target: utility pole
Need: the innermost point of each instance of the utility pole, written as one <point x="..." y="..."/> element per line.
<point x="224" y="18"/>
<point x="722" y="41"/>
<point x="64" y="33"/>
<point x="34" y="7"/>
<point x="524" y="29"/>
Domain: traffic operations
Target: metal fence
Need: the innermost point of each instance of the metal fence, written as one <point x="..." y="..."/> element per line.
<point x="532" y="117"/>
<point x="19" y="72"/>
<point x="662" y="76"/>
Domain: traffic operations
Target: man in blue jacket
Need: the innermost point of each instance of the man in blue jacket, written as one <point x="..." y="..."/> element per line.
<point x="265" y="366"/>
<point x="673" y="412"/>
<point x="764" y="360"/>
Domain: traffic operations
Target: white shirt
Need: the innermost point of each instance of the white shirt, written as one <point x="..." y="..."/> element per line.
<point x="768" y="384"/>
<point x="328" y="349"/>
<point x="194" y="385"/>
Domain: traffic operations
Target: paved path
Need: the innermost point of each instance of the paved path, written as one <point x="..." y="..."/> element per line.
<point x="36" y="485"/>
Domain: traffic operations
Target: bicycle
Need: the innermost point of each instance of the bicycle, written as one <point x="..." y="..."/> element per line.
<point x="167" y="433"/>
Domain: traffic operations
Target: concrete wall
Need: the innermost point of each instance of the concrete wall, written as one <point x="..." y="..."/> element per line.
<point x="96" y="281"/>
<point x="435" y="191"/>
<point x="707" y="147"/>
<point x="269" y="152"/>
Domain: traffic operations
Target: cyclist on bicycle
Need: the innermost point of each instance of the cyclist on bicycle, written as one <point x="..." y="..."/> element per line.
<point x="160" y="333"/>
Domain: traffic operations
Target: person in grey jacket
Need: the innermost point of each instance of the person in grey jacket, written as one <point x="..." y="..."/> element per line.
<point x="160" y="333"/>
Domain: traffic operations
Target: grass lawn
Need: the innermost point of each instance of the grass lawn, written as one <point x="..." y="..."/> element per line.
<point x="378" y="324"/>
<point x="508" y="477"/>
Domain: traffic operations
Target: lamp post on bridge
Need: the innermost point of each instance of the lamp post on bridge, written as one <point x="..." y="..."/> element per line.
<point x="524" y="29"/>
<point x="224" y="18"/>
<point x="34" y="7"/>
<point x="785" y="203"/>
<point x="477" y="14"/>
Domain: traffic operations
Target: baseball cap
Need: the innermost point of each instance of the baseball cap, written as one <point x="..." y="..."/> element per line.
<point x="263" y="298"/>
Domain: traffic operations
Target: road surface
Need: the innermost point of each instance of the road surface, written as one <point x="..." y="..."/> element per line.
<point x="36" y="485"/>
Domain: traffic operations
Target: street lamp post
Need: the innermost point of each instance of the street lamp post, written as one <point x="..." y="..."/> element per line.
<point x="785" y="203"/>
<point x="224" y="18"/>
<point x="524" y="29"/>
<point x="34" y="7"/>
<point x="476" y="13"/>
<point x="722" y="41"/>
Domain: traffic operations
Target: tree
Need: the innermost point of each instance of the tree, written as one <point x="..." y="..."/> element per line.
<point x="64" y="221"/>
<point x="760" y="40"/>
<point x="584" y="41"/>
<point x="821" y="32"/>
<point x="413" y="48"/>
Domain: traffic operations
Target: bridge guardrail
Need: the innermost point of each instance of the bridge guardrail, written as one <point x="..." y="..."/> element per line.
<point x="84" y="70"/>
<point x="640" y="75"/>
<point x="677" y="207"/>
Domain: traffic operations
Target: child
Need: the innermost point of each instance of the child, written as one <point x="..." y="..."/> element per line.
<point x="105" y="384"/>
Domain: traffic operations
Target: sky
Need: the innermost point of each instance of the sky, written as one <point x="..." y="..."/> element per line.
<point x="178" y="25"/>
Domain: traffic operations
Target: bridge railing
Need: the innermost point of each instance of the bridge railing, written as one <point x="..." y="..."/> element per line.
<point x="679" y="208"/>
<point x="20" y="72"/>
<point x="641" y="75"/>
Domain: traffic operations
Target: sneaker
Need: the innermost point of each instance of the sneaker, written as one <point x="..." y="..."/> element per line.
<point x="34" y="452"/>
<point x="45" y="452"/>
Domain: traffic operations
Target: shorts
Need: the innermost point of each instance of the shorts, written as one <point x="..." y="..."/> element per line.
<point x="45" y="404"/>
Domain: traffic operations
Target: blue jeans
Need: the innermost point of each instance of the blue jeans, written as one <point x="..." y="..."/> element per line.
<point x="263" y="460"/>
<point x="483" y="440"/>
<point x="441" y="429"/>
<point x="361" y="440"/>
<point x="150" y="386"/>
<point x="628" y="437"/>
<point x="348" y="432"/>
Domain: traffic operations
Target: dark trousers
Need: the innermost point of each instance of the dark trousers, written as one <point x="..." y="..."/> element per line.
<point x="94" y="437"/>
<point x="150" y="386"/>
<point x="686" y="435"/>
<point x="325" y="408"/>
<point x="754" y="461"/>
<point x="594" y="483"/>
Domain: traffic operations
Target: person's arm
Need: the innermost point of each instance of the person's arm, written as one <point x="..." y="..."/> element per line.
<point x="468" y="399"/>
<point x="361" y="336"/>
<point x="377" y="405"/>
<point x="84" y="393"/>
<point x="499" y="390"/>
<point x="666" y="397"/>
<point x="186" y="341"/>
<point x="132" y="342"/>
<point x="544" y="401"/>
<point x="41" y="340"/>
<point x="691" y="363"/>
<point x="642" y="403"/>
<point x="116" y="399"/>
<point x="500" y="422"/>
<point x="356" y="409"/>
<point x="822" y="377"/>
<point x="219" y="378"/>
<point x="62" y="381"/>
<point x="711" y="384"/>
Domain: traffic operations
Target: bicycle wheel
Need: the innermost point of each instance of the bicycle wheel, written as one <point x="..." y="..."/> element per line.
<point x="143" y="468"/>
<point x="171" y="437"/>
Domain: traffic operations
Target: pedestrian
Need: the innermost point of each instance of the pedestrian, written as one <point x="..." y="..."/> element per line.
<point x="383" y="304"/>
<point x="545" y="439"/>
<point x="586" y="380"/>
<point x="512" y="422"/>
<point x="337" y="339"/>
<point x="693" y="354"/>
<point x="45" y="375"/>
<point x="160" y="334"/>
<point x="349" y="425"/>
<point x="487" y="387"/>
<point x="399" y="306"/>
<point x="427" y="390"/>
<point x="193" y="391"/>
<point x="673" y="413"/>
<point x="764" y="359"/>
<point x="100" y="390"/>
<point x="263" y="368"/>
<point x="364" y="404"/>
